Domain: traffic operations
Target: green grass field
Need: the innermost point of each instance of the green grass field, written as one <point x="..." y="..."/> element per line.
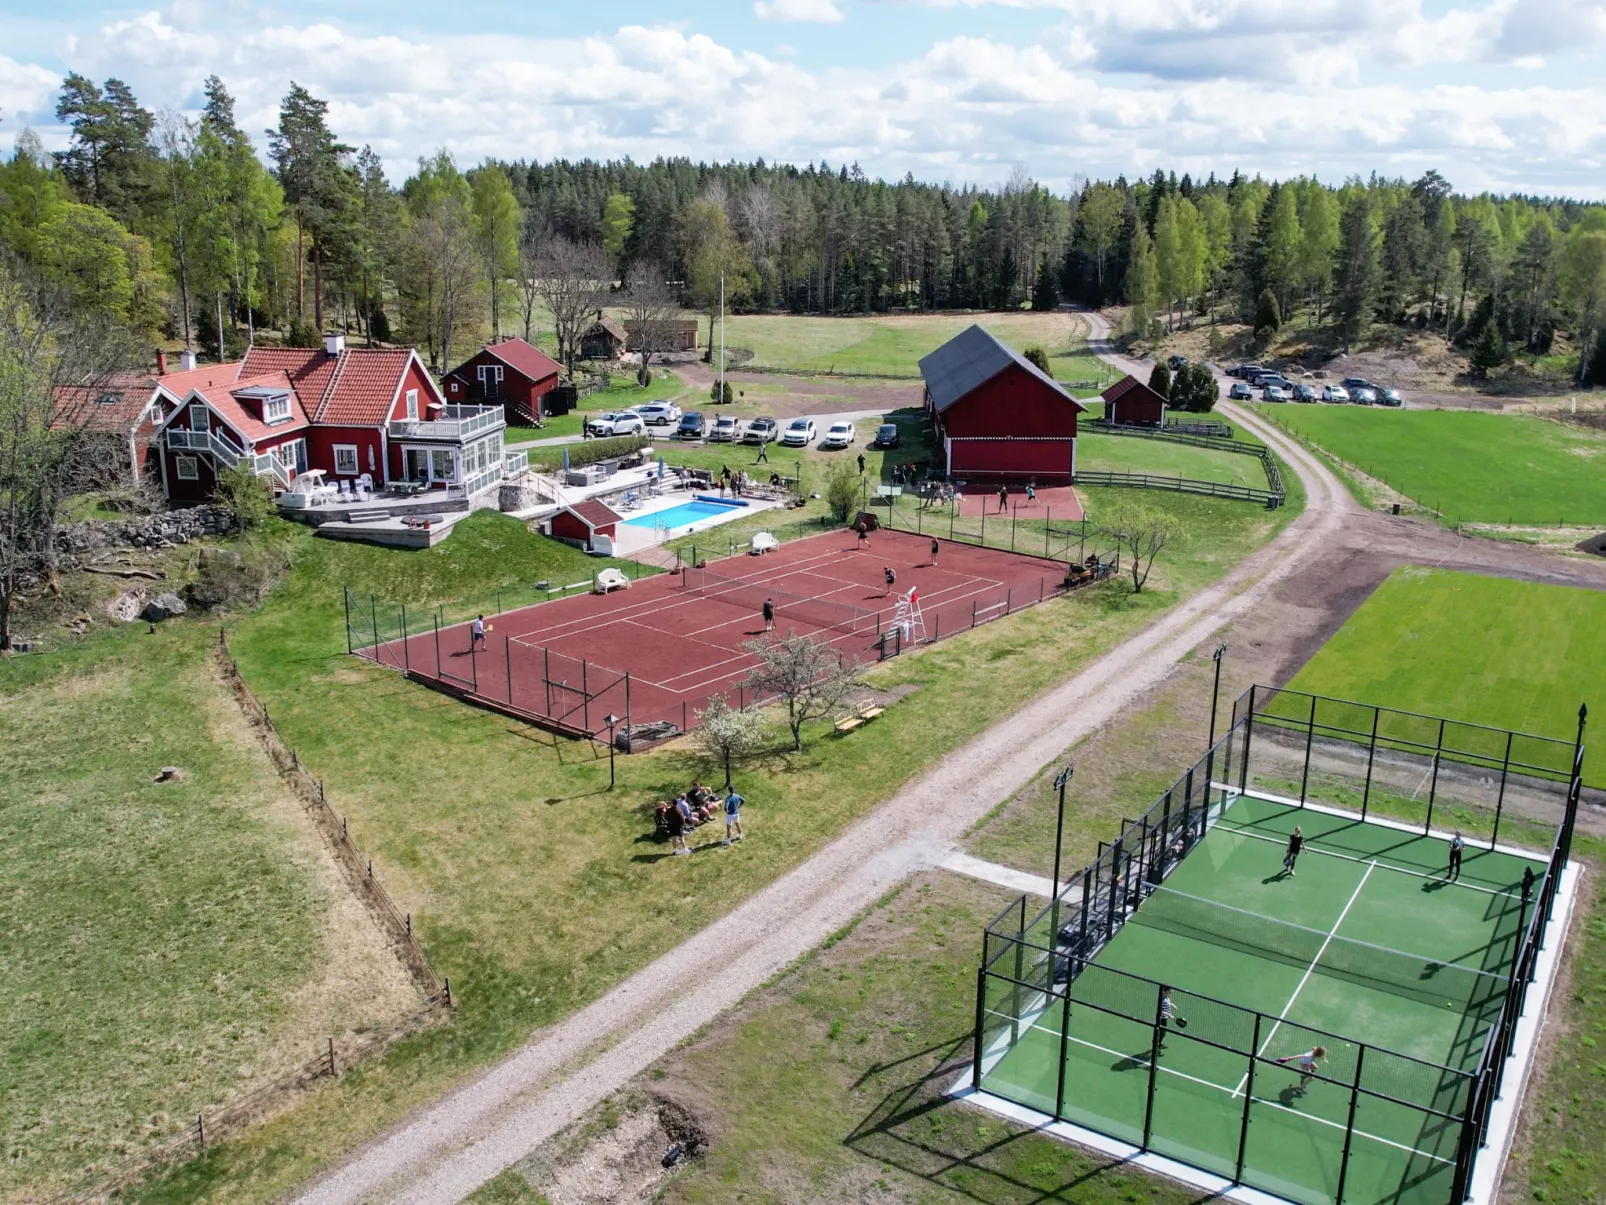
<point x="1518" y="655"/>
<point x="166" y="948"/>
<point x="1126" y="454"/>
<point x="1471" y="467"/>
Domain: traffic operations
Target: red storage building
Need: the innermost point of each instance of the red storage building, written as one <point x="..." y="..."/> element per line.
<point x="1131" y="403"/>
<point x="999" y="419"/>
<point x="582" y="521"/>
<point x="515" y="373"/>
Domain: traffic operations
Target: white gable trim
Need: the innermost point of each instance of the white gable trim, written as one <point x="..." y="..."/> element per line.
<point x="401" y="380"/>
<point x="197" y="397"/>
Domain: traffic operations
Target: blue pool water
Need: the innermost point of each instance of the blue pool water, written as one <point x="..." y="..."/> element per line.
<point x="684" y="515"/>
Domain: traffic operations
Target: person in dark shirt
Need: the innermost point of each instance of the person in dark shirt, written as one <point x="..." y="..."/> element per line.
<point x="769" y="614"/>
<point x="1296" y="842"/>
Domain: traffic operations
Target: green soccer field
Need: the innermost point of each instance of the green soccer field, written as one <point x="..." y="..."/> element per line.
<point x="1372" y="955"/>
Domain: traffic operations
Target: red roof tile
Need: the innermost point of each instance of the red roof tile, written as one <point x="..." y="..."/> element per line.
<point x="242" y="416"/>
<point x="528" y="361"/>
<point x="117" y="404"/>
<point x="364" y="387"/>
<point x="1125" y="386"/>
<point x="594" y="513"/>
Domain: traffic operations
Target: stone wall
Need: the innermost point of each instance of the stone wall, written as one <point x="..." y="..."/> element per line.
<point x="145" y="531"/>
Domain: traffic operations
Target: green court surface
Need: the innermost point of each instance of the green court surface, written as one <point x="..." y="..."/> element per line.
<point x="1371" y="954"/>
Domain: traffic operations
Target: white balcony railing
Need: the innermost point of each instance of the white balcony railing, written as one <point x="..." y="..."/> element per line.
<point x="456" y="424"/>
<point x="263" y="464"/>
<point x="484" y="479"/>
<point x="515" y="464"/>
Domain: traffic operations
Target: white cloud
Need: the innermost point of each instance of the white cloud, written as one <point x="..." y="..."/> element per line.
<point x="824" y="12"/>
<point x="966" y="109"/>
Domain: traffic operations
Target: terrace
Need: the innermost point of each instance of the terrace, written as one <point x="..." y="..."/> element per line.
<point x="454" y="424"/>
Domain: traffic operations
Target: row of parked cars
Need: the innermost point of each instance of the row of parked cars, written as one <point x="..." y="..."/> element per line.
<point x="727" y="428"/>
<point x="1274" y="387"/>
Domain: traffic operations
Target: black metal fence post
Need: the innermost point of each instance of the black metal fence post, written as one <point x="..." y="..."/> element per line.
<point x="1156" y="1036"/>
<point x="1371" y="757"/>
<point x="507" y="651"/>
<point x="1065" y="1043"/>
<point x="981" y="1001"/>
<point x="440" y="670"/>
<point x="373" y="614"/>
<point x="1349" y="1125"/>
<point x="1310" y="735"/>
<point x="1433" y="787"/>
<point x="345" y="595"/>
<point x="1249" y="736"/>
<point x="1249" y="1096"/>
<point x="407" y="655"/>
<point x="1500" y="798"/>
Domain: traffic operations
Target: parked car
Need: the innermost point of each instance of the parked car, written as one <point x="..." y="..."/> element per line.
<point x="1240" y="392"/>
<point x="614" y="422"/>
<point x="799" y="433"/>
<point x="692" y="425"/>
<point x="886" y="436"/>
<point x="839" y="435"/>
<point x="1243" y="371"/>
<point x="1176" y="362"/>
<point x="1305" y="393"/>
<point x="659" y="414"/>
<point x="1274" y="393"/>
<point x="1363" y="395"/>
<point x="1389" y="397"/>
<point x="727" y="429"/>
<point x="1274" y="378"/>
<point x="1354" y="383"/>
<point x="1334" y="393"/>
<point x="761" y="431"/>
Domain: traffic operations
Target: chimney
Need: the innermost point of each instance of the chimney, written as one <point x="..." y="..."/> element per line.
<point x="334" y="343"/>
<point x="161" y="362"/>
<point x="186" y="361"/>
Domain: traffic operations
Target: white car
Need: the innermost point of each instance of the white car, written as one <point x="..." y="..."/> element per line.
<point x="839" y="435"/>
<point x="659" y="414"/>
<point x="727" y="429"/>
<point x="1334" y="393"/>
<point x="799" y="433"/>
<point x="615" y="422"/>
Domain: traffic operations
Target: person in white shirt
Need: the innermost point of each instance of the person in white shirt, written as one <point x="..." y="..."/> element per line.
<point x="1308" y="1063"/>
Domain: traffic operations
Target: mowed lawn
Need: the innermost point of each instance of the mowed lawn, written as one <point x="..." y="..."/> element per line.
<point x="1473" y="468"/>
<point x="894" y="344"/>
<point x="165" y="948"/>
<point x="1510" y="654"/>
<point x="1127" y="454"/>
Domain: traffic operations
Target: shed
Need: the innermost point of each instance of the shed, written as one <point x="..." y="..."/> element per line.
<point x="1000" y="419"/>
<point x="1131" y="403"/>
<point x="676" y="334"/>
<point x="579" y="522"/>
<point x="515" y="373"/>
<point x="604" y="341"/>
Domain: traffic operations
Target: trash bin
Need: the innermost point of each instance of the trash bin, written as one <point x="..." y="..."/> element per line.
<point x="1396" y="508"/>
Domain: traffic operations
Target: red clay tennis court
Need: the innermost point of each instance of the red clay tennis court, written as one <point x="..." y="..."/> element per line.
<point x="656" y="652"/>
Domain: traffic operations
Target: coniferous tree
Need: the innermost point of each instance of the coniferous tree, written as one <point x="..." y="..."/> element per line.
<point x="318" y="188"/>
<point x="1357" y="268"/>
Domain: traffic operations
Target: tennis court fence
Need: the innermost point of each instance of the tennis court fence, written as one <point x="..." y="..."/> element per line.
<point x="1038" y="973"/>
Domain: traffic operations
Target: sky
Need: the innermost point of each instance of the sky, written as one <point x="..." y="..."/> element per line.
<point x="1499" y="95"/>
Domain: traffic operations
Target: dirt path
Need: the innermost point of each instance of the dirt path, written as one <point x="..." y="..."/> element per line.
<point x="444" y="1151"/>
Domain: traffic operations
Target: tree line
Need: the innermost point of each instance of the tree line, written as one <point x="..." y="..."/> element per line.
<point x="188" y="229"/>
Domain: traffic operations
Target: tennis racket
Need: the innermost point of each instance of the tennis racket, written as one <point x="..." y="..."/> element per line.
<point x="490" y="627"/>
<point x="1181" y="1022"/>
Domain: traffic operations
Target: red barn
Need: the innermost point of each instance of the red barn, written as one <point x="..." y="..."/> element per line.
<point x="1000" y="418"/>
<point x="584" y="520"/>
<point x="512" y="372"/>
<point x="1131" y="403"/>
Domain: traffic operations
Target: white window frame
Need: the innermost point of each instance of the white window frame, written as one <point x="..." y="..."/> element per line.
<point x="275" y="410"/>
<point x="201" y="411"/>
<point x="342" y="451"/>
<point x="286" y="452"/>
<point x="192" y="463"/>
<point x="452" y="459"/>
<point x="412" y="405"/>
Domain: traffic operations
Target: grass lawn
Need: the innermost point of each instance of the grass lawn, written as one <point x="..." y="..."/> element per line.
<point x="894" y="344"/>
<point x="477" y="824"/>
<point x="1519" y="655"/>
<point x="1126" y="454"/>
<point x="166" y="948"/>
<point x="1471" y="467"/>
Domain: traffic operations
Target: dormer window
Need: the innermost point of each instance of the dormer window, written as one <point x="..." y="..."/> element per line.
<point x="276" y="409"/>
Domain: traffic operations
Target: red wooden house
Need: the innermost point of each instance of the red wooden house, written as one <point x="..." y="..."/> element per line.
<point x="512" y="372"/>
<point x="582" y="522"/>
<point x="1131" y="403"/>
<point x="998" y="417"/>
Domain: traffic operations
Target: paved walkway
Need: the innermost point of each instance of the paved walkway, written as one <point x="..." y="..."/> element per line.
<point x="444" y="1151"/>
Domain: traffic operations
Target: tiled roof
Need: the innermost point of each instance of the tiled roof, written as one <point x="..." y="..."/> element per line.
<point x="969" y="360"/>
<point x="525" y="359"/>
<point x="594" y="513"/>
<point x="116" y="404"/>
<point x="353" y="389"/>
<point x="1125" y="386"/>
<point x="242" y="417"/>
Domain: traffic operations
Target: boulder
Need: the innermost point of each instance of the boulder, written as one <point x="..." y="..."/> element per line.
<point x="163" y="606"/>
<point x="125" y="608"/>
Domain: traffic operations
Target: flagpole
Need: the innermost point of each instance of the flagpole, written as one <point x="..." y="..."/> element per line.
<point x="722" y="337"/>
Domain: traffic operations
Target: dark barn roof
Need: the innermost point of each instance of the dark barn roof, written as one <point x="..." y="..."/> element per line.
<point x="969" y="360"/>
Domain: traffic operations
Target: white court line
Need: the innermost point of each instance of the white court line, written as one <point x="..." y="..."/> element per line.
<point x="1309" y="971"/>
<point x="1144" y="1062"/>
<point x="1330" y="853"/>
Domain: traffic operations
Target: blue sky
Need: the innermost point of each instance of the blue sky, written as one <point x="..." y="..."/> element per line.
<point x="1500" y="94"/>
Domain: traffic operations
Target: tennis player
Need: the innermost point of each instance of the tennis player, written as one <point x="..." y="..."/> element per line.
<point x="935" y="549"/>
<point x="769" y="613"/>
<point x="892" y="579"/>
<point x="479" y="632"/>
<point x="1168" y="1016"/>
<point x="1308" y="1063"/>
<point x="1296" y="842"/>
<point x="1457" y="846"/>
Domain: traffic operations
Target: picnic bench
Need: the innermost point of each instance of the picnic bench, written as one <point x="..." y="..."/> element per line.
<point x="862" y="714"/>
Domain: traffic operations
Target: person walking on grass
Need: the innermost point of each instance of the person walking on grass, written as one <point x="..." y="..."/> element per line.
<point x="1308" y="1064"/>
<point x="1457" y="846"/>
<point x="479" y="634"/>
<point x="861" y="464"/>
<point x="1296" y="842"/>
<point x="733" y="817"/>
<point x="763" y="453"/>
<point x="1003" y="498"/>
<point x="676" y="821"/>
<point x="769" y="614"/>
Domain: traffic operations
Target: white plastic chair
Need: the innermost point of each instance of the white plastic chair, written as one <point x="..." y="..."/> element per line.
<point x="610" y="579"/>
<point x="764" y="542"/>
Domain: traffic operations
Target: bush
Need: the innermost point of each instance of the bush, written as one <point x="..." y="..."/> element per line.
<point x="715" y="396"/>
<point x="1194" y="389"/>
<point x="1488" y="351"/>
<point x="302" y="334"/>
<point x="1038" y="357"/>
<point x="1160" y="379"/>
<point x="245" y="496"/>
<point x="590" y="452"/>
<point x="842" y="490"/>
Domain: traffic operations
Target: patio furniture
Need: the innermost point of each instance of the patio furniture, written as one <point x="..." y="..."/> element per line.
<point x="610" y="579"/>
<point x="764" y="542"/>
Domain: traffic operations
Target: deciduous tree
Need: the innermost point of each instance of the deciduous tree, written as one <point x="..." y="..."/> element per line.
<point x="727" y="734"/>
<point x="811" y="677"/>
<point x="1140" y="532"/>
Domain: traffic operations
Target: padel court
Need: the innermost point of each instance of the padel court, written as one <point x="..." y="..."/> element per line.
<point x="1166" y="998"/>
<point x="656" y="652"/>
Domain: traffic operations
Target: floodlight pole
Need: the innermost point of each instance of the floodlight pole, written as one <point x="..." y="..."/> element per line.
<point x="1215" y="691"/>
<point x="1060" y="781"/>
<point x="610" y="719"/>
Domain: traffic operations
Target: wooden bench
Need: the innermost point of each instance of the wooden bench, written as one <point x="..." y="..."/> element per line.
<point x="862" y="714"/>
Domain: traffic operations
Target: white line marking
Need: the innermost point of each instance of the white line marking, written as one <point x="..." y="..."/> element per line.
<point x="1309" y="971"/>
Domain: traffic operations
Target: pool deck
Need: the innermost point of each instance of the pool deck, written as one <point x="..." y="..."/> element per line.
<point x="632" y="537"/>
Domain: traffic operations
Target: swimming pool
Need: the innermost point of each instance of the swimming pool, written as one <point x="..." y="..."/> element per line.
<point x="687" y="515"/>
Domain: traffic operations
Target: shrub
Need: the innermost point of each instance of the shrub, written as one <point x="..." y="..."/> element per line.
<point x="245" y="496"/>
<point x="1038" y="357"/>
<point x="714" y="393"/>
<point x="842" y="490"/>
<point x="1268" y="314"/>
<point x="1160" y="380"/>
<point x="1194" y="389"/>
<point x="589" y="452"/>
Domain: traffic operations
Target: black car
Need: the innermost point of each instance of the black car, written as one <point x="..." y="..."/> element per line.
<point x="886" y="436"/>
<point x="692" y="426"/>
<point x="1176" y="362"/>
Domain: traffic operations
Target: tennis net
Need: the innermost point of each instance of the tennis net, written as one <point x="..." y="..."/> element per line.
<point x="1410" y="975"/>
<point x="816" y="612"/>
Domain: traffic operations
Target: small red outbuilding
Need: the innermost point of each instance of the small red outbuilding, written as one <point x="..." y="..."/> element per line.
<point x="999" y="418"/>
<point x="512" y="372"/>
<point x="1131" y="403"/>
<point x="583" y="521"/>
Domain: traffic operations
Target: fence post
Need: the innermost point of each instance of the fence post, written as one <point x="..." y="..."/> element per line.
<point x="200" y="1129"/>
<point x="1500" y="799"/>
<point x="446" y="986"/>
<point x="585" y="696"/>
<point x="1310" y="733"/>
<point x="1371" y="755"/>
<point x="331" y="1058"/>
<point x="407" y="656"/>
<point x="981" y="999"/>
<point x="628" y="739"/>
<point x="1249" y="1096"/>
<point x="1349" y="1124"/>
<point x="1155" y="1036"/>
<point x="507" y="651"/>
<point x="1065" y="1039"/>
<point x="1249" y="734"/>
<point x="345" y="595"/>
<point x="1081" y="549"/>
<point x="439" y="670"/>
<point x="1048" y="522"/>
<point x="474" y="662"/>
<point x="1433" y="787"/>
<point x="374" y="614"/>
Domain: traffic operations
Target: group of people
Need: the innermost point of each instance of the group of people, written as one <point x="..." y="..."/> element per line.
<point x="694" y="808"/>
<point x="737" y="482"/>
